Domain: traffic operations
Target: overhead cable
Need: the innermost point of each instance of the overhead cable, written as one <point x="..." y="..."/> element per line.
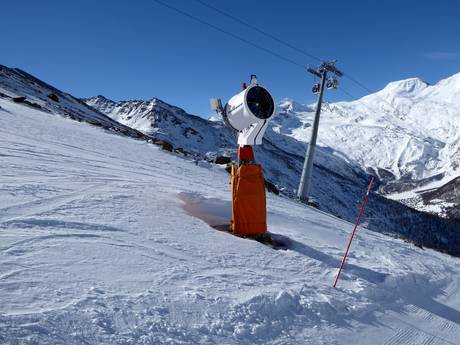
<point x="255" y="28"/>
<point x="242" y="39"/>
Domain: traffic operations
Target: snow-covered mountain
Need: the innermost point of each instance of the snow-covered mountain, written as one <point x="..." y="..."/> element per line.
<point x="104" y="240"/>
<point x="164" y="121"/>
<point x="21" y="87"/>
<point x="408" y="134"/>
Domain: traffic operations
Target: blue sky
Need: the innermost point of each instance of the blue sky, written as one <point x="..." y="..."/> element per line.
<point x="140" y="49"/>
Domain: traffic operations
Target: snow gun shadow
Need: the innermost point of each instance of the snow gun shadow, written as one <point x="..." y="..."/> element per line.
<point x="218" y="213"/>
<point x="215" y="212"/>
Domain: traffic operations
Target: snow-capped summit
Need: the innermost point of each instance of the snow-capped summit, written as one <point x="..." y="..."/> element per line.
<point x="101" y="102"/>
<point x="289" y="105"/>
<point x="404" y="87"/>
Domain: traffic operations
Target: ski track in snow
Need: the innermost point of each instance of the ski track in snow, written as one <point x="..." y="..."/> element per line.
<point x="97" y="248"/>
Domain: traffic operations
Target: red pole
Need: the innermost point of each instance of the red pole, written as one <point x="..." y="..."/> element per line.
<point x="354" y="231"/>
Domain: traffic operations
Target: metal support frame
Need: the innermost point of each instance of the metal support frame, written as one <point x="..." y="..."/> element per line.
<point x="305" y="179"/>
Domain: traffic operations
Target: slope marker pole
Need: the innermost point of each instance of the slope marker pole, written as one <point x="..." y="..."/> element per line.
<point x="354" y="231"/>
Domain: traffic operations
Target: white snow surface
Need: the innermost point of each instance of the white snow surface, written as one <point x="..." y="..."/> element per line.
<point x="104" y="240"/>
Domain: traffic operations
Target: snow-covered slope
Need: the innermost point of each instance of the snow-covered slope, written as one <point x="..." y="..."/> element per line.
<point x="102" y="241"/>
<point x="26" y="89"/>
<point x="408" y="133"/>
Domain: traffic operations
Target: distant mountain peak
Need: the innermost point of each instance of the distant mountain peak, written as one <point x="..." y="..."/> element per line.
<point x="98" y="99"/>
<point x="102" y="97"/>
<point x="410" y="85"/>
<point x="289" y="105"/>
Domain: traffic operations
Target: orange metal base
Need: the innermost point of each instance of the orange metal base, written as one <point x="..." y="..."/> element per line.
<point x="249" y="215"/>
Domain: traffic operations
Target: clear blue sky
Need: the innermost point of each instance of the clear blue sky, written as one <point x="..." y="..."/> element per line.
<point x="140" y="49"/>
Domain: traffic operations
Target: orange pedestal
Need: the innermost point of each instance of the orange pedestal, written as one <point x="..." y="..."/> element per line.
<point x="249" y="215"/>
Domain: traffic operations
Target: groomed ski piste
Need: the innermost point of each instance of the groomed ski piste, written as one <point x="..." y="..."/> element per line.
<point x="107" y="240"/>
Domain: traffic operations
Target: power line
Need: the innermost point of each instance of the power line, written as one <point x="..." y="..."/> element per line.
<point x="293" y="47"/>
<point x="358" y="83"/>
<point x="253" y="27"/>
<point x="347" y="93"/>
<point x="266" y="50"/>
<point x="242" y="39"/>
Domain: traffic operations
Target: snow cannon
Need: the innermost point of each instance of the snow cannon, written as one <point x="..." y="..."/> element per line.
<point x="248" y="113"/>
